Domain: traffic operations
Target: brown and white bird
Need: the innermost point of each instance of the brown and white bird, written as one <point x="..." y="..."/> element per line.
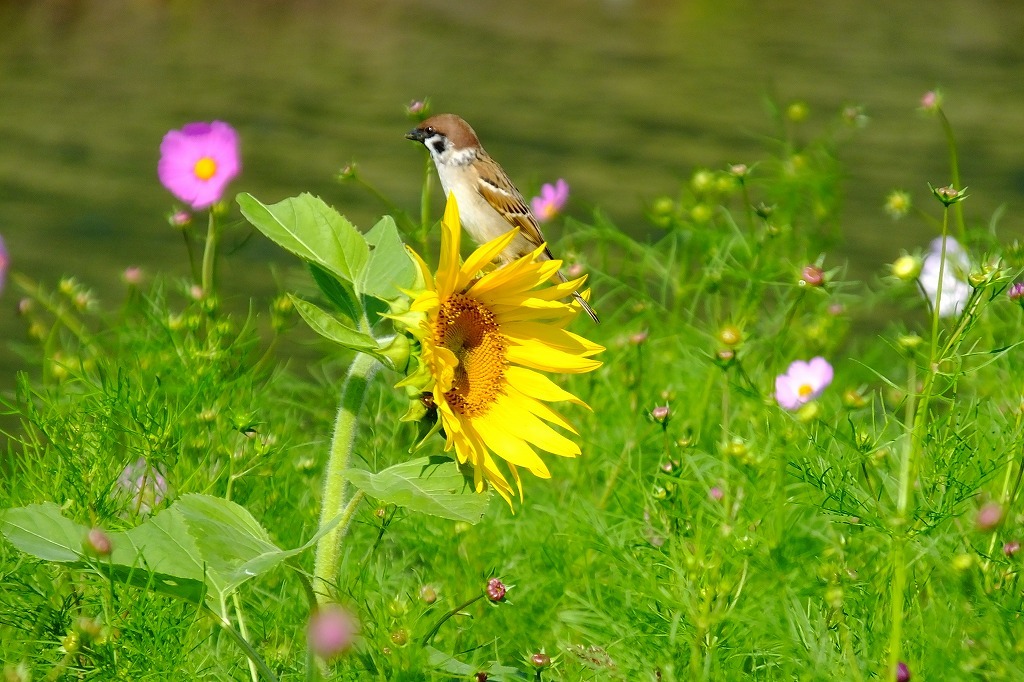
<point x="489" y="204"/>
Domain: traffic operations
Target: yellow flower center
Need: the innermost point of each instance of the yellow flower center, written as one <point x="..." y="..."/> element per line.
<point x="470" y="331"/>
<point x="805" y="390"/>
<point x="205" y="168"/>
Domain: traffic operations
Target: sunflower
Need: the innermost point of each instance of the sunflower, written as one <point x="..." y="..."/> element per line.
<point x="485" y="338"/>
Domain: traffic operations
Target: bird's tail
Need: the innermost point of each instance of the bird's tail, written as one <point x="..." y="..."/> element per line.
<point x="586" y="306"/>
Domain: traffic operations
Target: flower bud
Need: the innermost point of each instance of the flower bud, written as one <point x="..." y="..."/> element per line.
<point x="739" y="170"/>
<point x="428" y="594"/>
<point x="702" y="181"/>
<point x="949" y="195"/>
<point x="495" y="590"/>
<point x="812" y="276"/>
<point x="902" y="672"/>
<point x="730" y="335"/>
<point x="1011" y="548"/>
<point x="540" y="659"/>
<point x="348" y="172"/>
<point x="1016" y="292"/>
<point x="98" y="543"/>
<point x="397" y="352"/>
<point x="180" y="219"/>
<point x="906" y="267"/>
<point x="931" y="101"/>
<point x="660" y="414"/>
<point x="797" y="112"/>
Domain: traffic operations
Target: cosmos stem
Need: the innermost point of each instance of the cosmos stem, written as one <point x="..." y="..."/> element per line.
<point x="210" y="255"/>
<point x="335" y="503"/>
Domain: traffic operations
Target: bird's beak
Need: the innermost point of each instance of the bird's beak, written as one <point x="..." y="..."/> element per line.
<point x="416" y="135"/>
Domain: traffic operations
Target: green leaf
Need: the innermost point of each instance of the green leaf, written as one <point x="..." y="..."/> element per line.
<point x="389" y="267"/>
<point x="202" y="547"/>
<point x="447" y="663"/>
<point x="41" y="530"/>
<point x="333" y="329"/>
<point x="430" y="485"/>
<point x="312" y="230"/>
<point x="336" y="291"/>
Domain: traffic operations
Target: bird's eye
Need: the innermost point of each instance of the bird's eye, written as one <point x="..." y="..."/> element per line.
<point x="430" y="130"/>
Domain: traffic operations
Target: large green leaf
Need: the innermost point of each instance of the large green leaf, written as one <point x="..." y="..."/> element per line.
<point x="430" y="485"/>
<point x="338" y="292"/>
<point x="389" y="267"/>
<point x="312" y="230"/>
<point x="200" y="547"/>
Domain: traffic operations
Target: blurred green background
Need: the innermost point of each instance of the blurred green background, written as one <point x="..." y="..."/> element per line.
<point x="624" y="99"/>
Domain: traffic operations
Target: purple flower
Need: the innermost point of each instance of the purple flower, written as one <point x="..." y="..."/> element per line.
<point x="955" y="291"/>
<point x="198" y="161"/>
<point x="802" y="382"/>
<point x="551" y="200"/>
<point x="902" y="672"/>
<point x="4" y="262"/>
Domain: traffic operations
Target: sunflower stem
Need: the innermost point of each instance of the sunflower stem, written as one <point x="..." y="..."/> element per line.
<point x="335" y="503"/>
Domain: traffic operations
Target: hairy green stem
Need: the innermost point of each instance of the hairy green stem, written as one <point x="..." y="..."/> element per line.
<point x="334" y="503"/>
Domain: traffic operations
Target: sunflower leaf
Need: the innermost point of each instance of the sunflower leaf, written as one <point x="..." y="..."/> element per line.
<point x="333" y="329"/>
<point x="429" y="485"/>
<point x="312" y="230"/>
<point x="336" y="291"/>
<point x="389" y="267"/>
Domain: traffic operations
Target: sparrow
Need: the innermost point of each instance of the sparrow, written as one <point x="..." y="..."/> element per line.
<point x="489" y="204"/>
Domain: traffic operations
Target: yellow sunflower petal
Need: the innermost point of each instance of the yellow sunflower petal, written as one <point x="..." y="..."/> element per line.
<point x="533" y="430"/>
<point x="537" y="355"/>
<point x="554" y="337"/>
<point x="484" y="256"/>
<point x="538" y="386"/>
<point x="509" y="446"/>
<point x="518" y="276"/>
<point x="425" y="274"/>
<point x="518" y="480"/>
<point x="448" y="266"/>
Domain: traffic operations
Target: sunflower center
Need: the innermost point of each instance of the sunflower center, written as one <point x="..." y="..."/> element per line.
<point x="470" y="331"/>
<point x="205" y="168"/>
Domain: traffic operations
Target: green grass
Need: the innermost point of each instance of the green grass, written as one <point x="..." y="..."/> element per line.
<point x="624" y="565"/>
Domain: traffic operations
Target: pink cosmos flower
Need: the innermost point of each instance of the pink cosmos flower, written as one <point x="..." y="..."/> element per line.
<point x="198" y="161"/>
<point x="802" y="382"/>
<point x="551" y="201"/>
<point x="331" y="631"/>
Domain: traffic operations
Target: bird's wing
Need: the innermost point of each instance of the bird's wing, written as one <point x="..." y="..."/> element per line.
<point x="504" y="198"/>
